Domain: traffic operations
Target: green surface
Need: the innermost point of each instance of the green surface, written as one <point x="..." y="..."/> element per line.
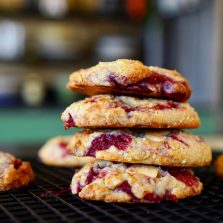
<point x="209" y="124"/>
<point x="30" y="126"/>
<point x="34" y="126"/>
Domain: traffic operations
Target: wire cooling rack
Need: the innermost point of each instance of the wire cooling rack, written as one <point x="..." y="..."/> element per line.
<point x="49" y="200"/>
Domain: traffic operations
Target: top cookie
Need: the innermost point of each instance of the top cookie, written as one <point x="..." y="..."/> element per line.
<point x="130" y="77"/>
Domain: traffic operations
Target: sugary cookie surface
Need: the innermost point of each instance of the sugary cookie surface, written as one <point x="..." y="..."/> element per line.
<point x="130" y="77"/>
<point x="107" y="111"/>
<point x="117" y="182"/>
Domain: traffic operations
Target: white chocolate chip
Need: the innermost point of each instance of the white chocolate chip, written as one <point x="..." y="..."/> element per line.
<point x="147" y="171"/>
<point x="154" y="138"/>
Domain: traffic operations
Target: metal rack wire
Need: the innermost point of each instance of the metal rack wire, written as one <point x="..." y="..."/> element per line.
<point x="48" y="200"/>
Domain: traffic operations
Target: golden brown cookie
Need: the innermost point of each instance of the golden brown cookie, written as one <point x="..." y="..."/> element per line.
<point x="55" y="153"/>
<point x="14" y="173"/>
<point x="107" y="111"/>
<point x="130" y="77"/>
<point x="219" y="165"/>
<point x="117" y="182"/>
<point x="165" y="148"/>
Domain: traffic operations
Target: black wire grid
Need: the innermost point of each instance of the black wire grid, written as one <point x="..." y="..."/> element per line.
<point x="44" y="202"/>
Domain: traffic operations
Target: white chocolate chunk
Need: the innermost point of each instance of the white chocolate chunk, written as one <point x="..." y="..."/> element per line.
<point x="149" y="171"/>
<point x="154" y="138"/>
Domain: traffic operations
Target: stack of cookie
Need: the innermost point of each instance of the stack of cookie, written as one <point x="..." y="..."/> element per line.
<point x="132" y="126"/>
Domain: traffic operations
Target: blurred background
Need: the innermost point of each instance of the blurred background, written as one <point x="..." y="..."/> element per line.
<point x="43" y="41"/>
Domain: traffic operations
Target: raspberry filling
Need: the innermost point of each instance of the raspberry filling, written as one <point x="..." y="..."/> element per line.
<point x="57" y="193"/>
<point x="170" y="197"/>
<point x="128" y="109"/>
<point x="125" y="187"/>
<point x="63" y="147"/>
<point x="154" y="198"/>
<point x="70" y="122"/>
<point x="119" y="103"/>
<point x="174" y="137"/>
<point x="199" y="139"/>
<point x="106" y="140"/>
<point x="167" y="105"/>
<point x="17" y="164"/>
<point x="155" y="83"/>
<point x="79" y="187"/>
<point x="151" y="197"/>
<point x="93" y="174"/>
<point x="184" y="175"/>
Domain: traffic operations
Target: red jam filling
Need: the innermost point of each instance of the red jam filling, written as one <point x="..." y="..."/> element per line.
<point x="56" y="193"/>
<point x="177" y="138"/>
<point x="166" y="144"/>
<point x="184" y="175"/>
<point x="91" y="100"/>
<point x="79" y="187"/>
<point x="125" y="187"/>
<point x="106" y="140"/>
<point x="154" y="198"/>
<point x="151" y="197"/>
<point x="63" y="146"/>
<point x="112" y="78"/>
<point x="199" y="139"/>
<point x="92" y="175"/>
<point x="118" y="103"/>
<point x="128" y="109"/>
<point x="170" y="197"/>
<point x="167" y="105"/>
<point x="164" y="86"/>
<point x="69" y="123"/>
<point x="17" y="164"/>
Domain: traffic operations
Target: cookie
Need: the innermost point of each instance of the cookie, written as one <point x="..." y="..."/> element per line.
<point x="14" y="173"/>
<point x="118" y="182"/>
<point x="107" y="111"/>
<point x="219" y="165"/>
<point x="55" y="153"/>
<point x="165" y="148"/>
<point x="130" y="77"/>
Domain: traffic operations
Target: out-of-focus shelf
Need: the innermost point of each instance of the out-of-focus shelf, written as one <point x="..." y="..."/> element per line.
<point x="40" y="65"/>
<point x="48" y="71"/>
<point x="86" y="18"/>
